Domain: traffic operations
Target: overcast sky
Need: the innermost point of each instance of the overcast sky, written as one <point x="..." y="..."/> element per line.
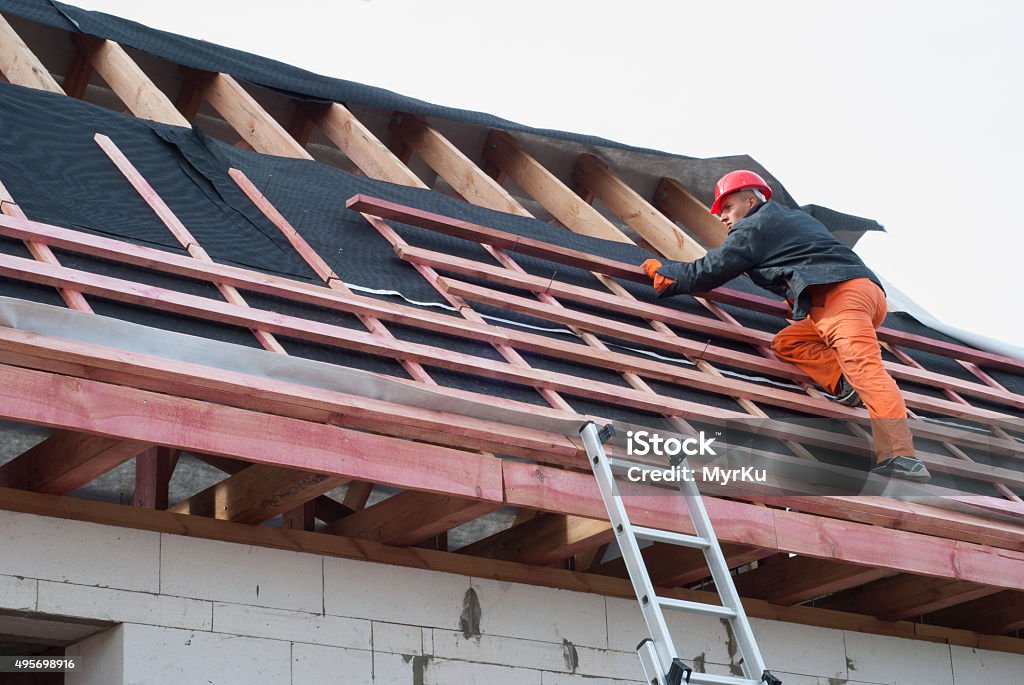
<point x="906" y="112"/>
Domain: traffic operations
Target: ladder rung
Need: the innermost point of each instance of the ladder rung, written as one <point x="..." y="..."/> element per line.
<point x="708" y="679"/>
<point x="657" y="535"/>
<point x="696" y="607"/>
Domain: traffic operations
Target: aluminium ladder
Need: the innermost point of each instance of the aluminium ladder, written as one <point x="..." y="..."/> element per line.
<point x="658" y="656"/>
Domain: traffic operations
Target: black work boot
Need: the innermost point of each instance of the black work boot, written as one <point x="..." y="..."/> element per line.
<point x="845" y="394"/>
<point x="904" y="468"/>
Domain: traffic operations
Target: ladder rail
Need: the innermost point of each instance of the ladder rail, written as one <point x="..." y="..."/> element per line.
<point x="658" y="655"/>
<point x="629" y="548"/>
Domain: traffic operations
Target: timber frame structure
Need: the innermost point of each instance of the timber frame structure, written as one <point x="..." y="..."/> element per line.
<point x="872" y="564"/>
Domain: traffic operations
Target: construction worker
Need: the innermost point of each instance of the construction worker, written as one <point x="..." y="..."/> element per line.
<point x="836" y="301"/>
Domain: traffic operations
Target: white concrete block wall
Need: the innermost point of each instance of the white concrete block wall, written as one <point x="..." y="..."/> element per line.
<point x="190" y="610"/>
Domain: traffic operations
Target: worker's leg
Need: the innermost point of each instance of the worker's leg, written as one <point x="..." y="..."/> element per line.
<point x="847" y="321"/>
<point x="801" y="344"/>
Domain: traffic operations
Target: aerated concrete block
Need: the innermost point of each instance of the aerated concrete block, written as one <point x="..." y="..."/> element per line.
<point x="393" y="594"/>
<point x="971" y="665"/>
<point x="539" y="613"/>
<point x="395" y="638"/>
<point x="240" y="574"/>
<point x="18" y="594"/>
<point x="67" y="599"/>
<point x="79" y="552"/>
<point x="296" y="626"/>
<point x="322" y="665"/>
<point x="897" y="661"/>
<point x="800" y="649"/>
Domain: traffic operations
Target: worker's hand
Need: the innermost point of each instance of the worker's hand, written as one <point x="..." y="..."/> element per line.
<point x="651" y="267"/>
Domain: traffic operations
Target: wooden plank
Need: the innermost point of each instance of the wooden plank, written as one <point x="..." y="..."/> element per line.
<point x="671" y="565"/>
<point x="675" y="201"/>
<point x="594" y="176"/>
<point x="795" y="580"/>
<point x="357" y="495"/>
<point x="66" y="460"/>
<point x="492" y="236"/>
<point x="128" y="81"/>
<point x="451" y="164"/>
<point x="359" y="144"/>
<point x="257" y="493"/>
<point x="140" y="416"/>
<point x="287" y="399"/>
<point x="906" y="596"/>
<point x="19" y="64"/>
<point x="609" y="267"/>
<point x="505" y="153"/>
<point x="247" y="117"/>
<point x="410" y="517"/>
<point x="543" y="540"/>
<point x="565" y="492"/>
<point x="366" y="550"/>
<point x="153" y="470"/>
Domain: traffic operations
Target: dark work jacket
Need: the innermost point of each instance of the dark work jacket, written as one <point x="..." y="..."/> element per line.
<point x="783" y="250"/>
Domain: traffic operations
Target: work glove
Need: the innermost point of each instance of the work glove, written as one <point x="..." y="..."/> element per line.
<point x="651" y="267"/>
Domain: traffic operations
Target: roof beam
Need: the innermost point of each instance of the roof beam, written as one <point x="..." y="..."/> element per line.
<point x="67" y="460"/>
<point x="410" y="517"/>
<point x="906" y="596"/>
<point x="19" y="64"/>
<point x="543" y="540"/>
<point x="257" y="493"/>
<point x="594" y="176"/>
<point x="246" y="116"/>
<point x="128" y="81"/>
<point x="505" y="153"/>
<point x="359" y="144"/>
<point x="795" y="580"/>
<point x="675" y="201"/>
<point x="672" y="565"/>
<point x="451" y="164"/>
<point x="140" y="416"/>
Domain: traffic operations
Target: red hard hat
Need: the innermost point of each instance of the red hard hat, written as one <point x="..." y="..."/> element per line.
<point x="738" y="180"/>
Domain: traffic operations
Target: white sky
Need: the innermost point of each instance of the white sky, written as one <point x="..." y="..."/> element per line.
<point x="904" y="111"/>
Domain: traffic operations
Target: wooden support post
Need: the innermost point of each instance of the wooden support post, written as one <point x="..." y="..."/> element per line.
<point x="676" y="202"/>
<point x="302" y="517"/>
<point x="19" y="64"/>
<point x="359" y="144"/>
<point x="594" y="175"/>
<point x="67" y="460"/>
<point x="505" y="153"/>
<point x="128" y="81"/>
<point x="410" y="517"/>
<point x="258" y="493"/>
<point x="153" y="470"/>
<point x="190" y="97"/>
<point x="77" y="76"/>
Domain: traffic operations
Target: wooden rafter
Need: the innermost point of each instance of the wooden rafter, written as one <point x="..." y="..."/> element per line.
<point x="794" y="580"/>
<point x="594" y="175"/>
<point x="1000" y="613"/>
<point x="676" y="202"/>
<point x="543" y="539"/>
<point x="19" y="64"/>
<point x="410" y="517"/>
<point x="67" y="460"/>
<point x="505" y="153"/>
<point x="906" y="596"/>
<point x="257" y="493"/>
<point x="671" y="565"/>
<point x="451" y="164"/>
<point x="128" y="81"/>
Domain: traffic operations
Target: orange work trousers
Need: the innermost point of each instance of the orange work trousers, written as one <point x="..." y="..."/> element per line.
<point x="838" y="339"/>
